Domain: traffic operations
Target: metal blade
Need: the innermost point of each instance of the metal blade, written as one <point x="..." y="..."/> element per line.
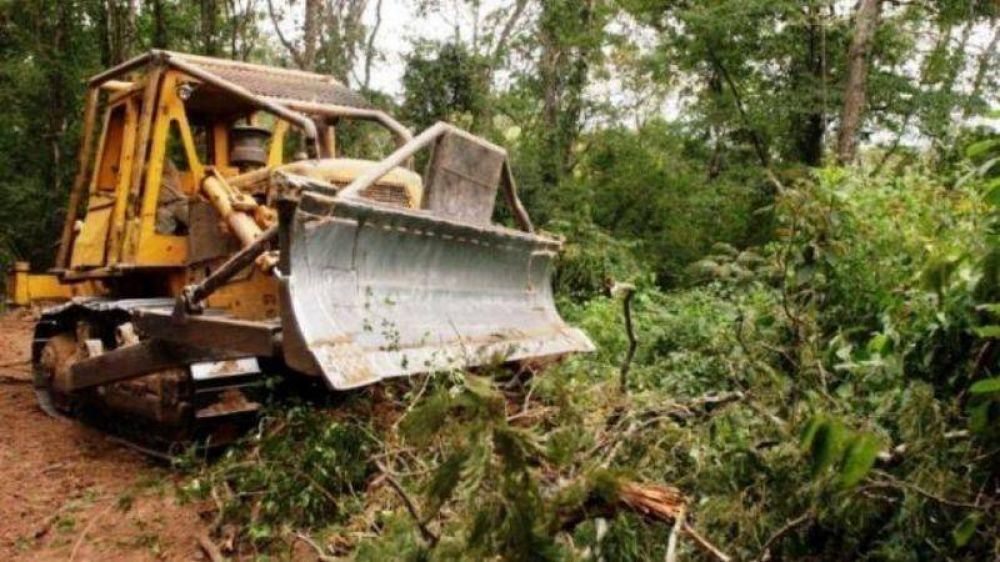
<point x="376" y="291"/>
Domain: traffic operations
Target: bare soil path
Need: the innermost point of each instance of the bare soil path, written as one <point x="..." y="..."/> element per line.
<point x="69" y="493"/>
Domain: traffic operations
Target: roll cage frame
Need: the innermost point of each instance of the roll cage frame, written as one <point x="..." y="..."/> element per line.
<point x="299" y="113"/>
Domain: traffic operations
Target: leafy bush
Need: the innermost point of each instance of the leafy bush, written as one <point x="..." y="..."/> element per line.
<point x="650" y="188"/>
<point x="851" y="342"/>
<point x="298" y="470"/>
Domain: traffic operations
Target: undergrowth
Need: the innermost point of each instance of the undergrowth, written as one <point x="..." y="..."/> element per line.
<point x="828" y="395"/>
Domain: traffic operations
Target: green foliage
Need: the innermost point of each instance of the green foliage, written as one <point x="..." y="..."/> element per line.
<point x="829" y="444"/>
<point x="984" y="404"/>
<point x="46" y="51"/>
<point x="858" y="459"/>
<point x="856" y="324"/>
<point x="590" y="259"/>
<point x="965" y="530"/>
<point x="682" y="212"/>
<point x="443" y="83"/>
<point x="299" y="469"/>
<point x="485" y="472"/>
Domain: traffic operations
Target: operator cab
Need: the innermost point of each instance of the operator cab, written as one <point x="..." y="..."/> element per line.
<point x="143" y="199"/>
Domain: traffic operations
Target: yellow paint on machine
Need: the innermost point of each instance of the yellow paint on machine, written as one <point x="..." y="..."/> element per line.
<point x="24" y="288"/>
<point x="141" y="130"/>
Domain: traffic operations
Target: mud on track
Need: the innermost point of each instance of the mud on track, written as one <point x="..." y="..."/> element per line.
<point x="69" y="493"/>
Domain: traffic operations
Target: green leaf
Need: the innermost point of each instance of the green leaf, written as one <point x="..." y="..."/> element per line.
<point x="445" y="479"/>
<point x="515" y="447"/>
<point x="809" y="432"/>
<point x="980" y="148"/>
<point x="979" y="417"/>
<point x="965" y="530"/>
<point x="991" y="331"/>
<point x="858" y="459"/>
<point x="993" y="196"/>
<point x="879" y="344"/>
<point x="938" y="270"/>
<point x="985" y="168"/>
<point x="764" y="321"/>
<point x="425" y="421"/>
<point x="986" y="386"/>
<point x="827" y="445"/>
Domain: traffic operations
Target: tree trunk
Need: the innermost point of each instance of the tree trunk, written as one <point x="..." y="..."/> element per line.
<point x="209" y="27"/>
<point x="104" y="34"/>
<point x="119" y="25"/>
<point x="160" y="39"/>
<point x="240" y="29"/>
<point x="310" y="33"/>
<point x="549" y="66"/>
<point x="855" y="90"/>
<point x="565" y="67"/>
<point x="984" y="63"/>
<point x="59" y="105"/>
<point x="810" y="125"/>
<point x="370" y="47"/>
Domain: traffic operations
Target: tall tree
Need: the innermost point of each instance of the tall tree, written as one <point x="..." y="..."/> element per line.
<point x="242" y="25"/>
<point x="443" y="82"/>
<point x="855" y="88"/>
<point x="46" y="50"/>
<point x="119" y="40"/>
<point x="209" y="27"/>
<point x="484" y="42"/>
<point x="808" y="123"/>
<point x="985" y="62"/>
<point x="572" y="34"/>
<point x="332" y="36"/>
<point x="160" y="39"/>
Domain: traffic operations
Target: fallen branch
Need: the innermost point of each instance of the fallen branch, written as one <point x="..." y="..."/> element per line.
<point x="672" y="541"/>
<point x="210" y="549"/>
<point x="663" y="503"/>
<point x="705" y="544"/>
<point x="892" y="455"/>
<point x="891" y="482"/>
<point x="531" y="413"/>
<point x="629" y="291"/>
<point x="86" y="529"/>
<point x="320" y="553"/>
<point x="679" y="412"/>
<point x="653" y="501"/>
<point x="716" y="399"/>
<point x="411" y="506"/>
<point x="765" y="552"/>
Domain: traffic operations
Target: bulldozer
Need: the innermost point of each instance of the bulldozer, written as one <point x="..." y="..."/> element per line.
<point x="218" y="233"/>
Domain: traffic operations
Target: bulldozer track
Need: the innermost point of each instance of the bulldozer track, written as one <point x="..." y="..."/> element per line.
<point x="158" y="414"/>
<point x="60" y="476"/>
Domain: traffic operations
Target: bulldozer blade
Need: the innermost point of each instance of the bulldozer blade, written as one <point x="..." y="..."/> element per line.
<point x="372" y="292"/>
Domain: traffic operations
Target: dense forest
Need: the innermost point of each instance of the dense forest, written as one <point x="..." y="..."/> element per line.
<point x="797" y="202"/>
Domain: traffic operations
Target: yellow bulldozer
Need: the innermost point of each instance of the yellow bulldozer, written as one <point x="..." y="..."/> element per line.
<point x="217" y="231"/>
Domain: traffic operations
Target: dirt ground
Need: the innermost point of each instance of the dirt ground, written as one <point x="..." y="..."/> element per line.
<point x="69" y="493"/>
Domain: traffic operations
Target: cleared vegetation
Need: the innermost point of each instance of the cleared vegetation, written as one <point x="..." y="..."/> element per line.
<point x="796" y="201"/>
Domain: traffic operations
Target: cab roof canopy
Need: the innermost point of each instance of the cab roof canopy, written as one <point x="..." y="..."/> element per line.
<point x="273" y="83"/>
<point x="288" y="94"/>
